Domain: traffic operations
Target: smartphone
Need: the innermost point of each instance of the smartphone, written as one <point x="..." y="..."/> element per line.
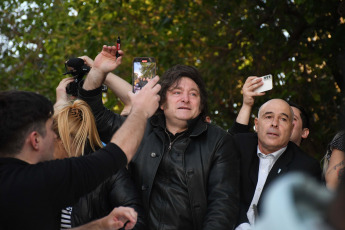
<point x="144" y="69"/>
<point x="268" y="83"/>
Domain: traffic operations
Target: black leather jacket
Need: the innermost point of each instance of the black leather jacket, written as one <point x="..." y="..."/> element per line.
<point x="118" y="190"/>
<point x="211" y="165"/>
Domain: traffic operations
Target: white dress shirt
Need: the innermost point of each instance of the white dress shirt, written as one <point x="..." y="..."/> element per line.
<point x="265" y="166"/>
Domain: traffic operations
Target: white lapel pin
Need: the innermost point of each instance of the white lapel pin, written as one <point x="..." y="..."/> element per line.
<point x="279" y="170"/>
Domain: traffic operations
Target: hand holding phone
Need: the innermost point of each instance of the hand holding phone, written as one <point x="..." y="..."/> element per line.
<point x="268" y="83"/>
<point x="144" y="69"/>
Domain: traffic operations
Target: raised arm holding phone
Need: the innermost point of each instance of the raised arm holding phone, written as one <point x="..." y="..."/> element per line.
<point x="251" y="84"/>
<point x="144" y="105"/>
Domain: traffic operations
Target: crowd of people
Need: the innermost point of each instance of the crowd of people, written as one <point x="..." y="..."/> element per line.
<point x="160" y="164"/>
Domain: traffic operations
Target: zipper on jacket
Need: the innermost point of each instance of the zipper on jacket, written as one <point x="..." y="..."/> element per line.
<point x="172" y="142"/>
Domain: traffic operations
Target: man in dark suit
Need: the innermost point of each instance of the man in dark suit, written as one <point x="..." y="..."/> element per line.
<point x="266" y="155"/>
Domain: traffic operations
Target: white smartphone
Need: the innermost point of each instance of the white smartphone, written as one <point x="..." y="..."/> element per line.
<point x="268" y="83"/>
<point x="144" y="69"/>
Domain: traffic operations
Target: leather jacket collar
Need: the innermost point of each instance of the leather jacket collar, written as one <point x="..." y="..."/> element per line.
<point x="196" y="126"/>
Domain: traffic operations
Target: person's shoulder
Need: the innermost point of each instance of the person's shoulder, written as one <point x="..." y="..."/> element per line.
<point x="238" y="128"/>
<point x="302" y="161"/>
<point x="338" y="141"/>
<point x="245" y="136"/>
<point x="300" y="154"/>
<point x="239" y="138"/>
<point x="295" y="148"/>
<point x="212" y="132"/>
<point x="211" y="127"/>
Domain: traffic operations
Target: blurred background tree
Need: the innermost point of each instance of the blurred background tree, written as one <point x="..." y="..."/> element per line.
<point x="300" y="42"/>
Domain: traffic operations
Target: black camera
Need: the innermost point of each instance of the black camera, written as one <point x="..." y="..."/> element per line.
<point x="77" y="68"/>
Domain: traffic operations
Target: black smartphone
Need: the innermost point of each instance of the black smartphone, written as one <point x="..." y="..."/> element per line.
<point x="144" y="69"/>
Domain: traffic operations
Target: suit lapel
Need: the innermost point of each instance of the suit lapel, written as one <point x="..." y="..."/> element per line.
<point x="281" y="166"/>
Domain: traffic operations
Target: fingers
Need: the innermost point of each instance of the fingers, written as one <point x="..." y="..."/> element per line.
<point x="61" y="93"/>
<point x="133" y="220"/>
<point x="126" y="215"/>
<point x="112" y="50"/>
<point x="154" y="87"/>
<point x="117" y="224"/>
<point x="121" y="52"/>
<point x="153" y="84"/>
<point x="146" y="101"/>
<point x="251" y="84"/>
<point x="119" y="58"/>
<point x="131" y="223"/>
<point x="61" y="88"/>
<point x="109" y="49"/>
<point x="88" y="61"/>
<point x="64" y="82"/>
<point x="248" y="88"/>
<point x="254" y="82"/>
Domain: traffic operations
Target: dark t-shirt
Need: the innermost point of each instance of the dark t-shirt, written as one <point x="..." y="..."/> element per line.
<point x="32" y="196"/>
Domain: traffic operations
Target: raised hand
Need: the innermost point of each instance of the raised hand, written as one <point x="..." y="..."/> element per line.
<point x="248" y="88"/>
<point x="106" y="60"/>
<point x="104" y="63"/>
<point x="61" y="95"/>
<point x="147" y="99"/>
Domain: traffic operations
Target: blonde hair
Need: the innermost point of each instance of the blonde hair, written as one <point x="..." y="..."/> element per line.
<point x="75" y="124"/>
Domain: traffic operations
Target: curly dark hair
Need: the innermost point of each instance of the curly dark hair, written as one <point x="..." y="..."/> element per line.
<point x="174" y="75"/>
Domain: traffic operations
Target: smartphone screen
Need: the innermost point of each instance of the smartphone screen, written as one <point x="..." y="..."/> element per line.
<point x="144" y="69"/>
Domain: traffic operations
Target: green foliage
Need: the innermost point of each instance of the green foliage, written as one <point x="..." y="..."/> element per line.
<point x="300" y="42"/>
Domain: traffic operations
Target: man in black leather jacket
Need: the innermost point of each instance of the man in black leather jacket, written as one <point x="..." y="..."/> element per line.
<point x="186" y="169"/>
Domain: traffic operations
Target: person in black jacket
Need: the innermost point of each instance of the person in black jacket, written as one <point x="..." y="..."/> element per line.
<point x="268" y="154"/>
<point x="187" y="169"/>
<point x="77" y="136"/>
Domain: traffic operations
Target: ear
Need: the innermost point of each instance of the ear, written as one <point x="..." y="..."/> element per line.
<point x="305" y="133"/>
<point x="162" y="106"/>
<point x="256" y="124"/>
<point x="34" y="139"/>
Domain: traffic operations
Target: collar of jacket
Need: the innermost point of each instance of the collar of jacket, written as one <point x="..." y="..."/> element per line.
<point x="196" y="126"/>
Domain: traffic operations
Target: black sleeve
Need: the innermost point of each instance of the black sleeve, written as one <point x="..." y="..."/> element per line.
<point x="71" y="178"/>
<point x="124" y="193"/>
<point x="238" y="128"/>
<point x="223" y="187"/>
<point x="107" y="121"/>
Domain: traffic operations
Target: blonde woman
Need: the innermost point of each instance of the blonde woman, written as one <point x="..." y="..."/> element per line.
<point x="77" y="135"/>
